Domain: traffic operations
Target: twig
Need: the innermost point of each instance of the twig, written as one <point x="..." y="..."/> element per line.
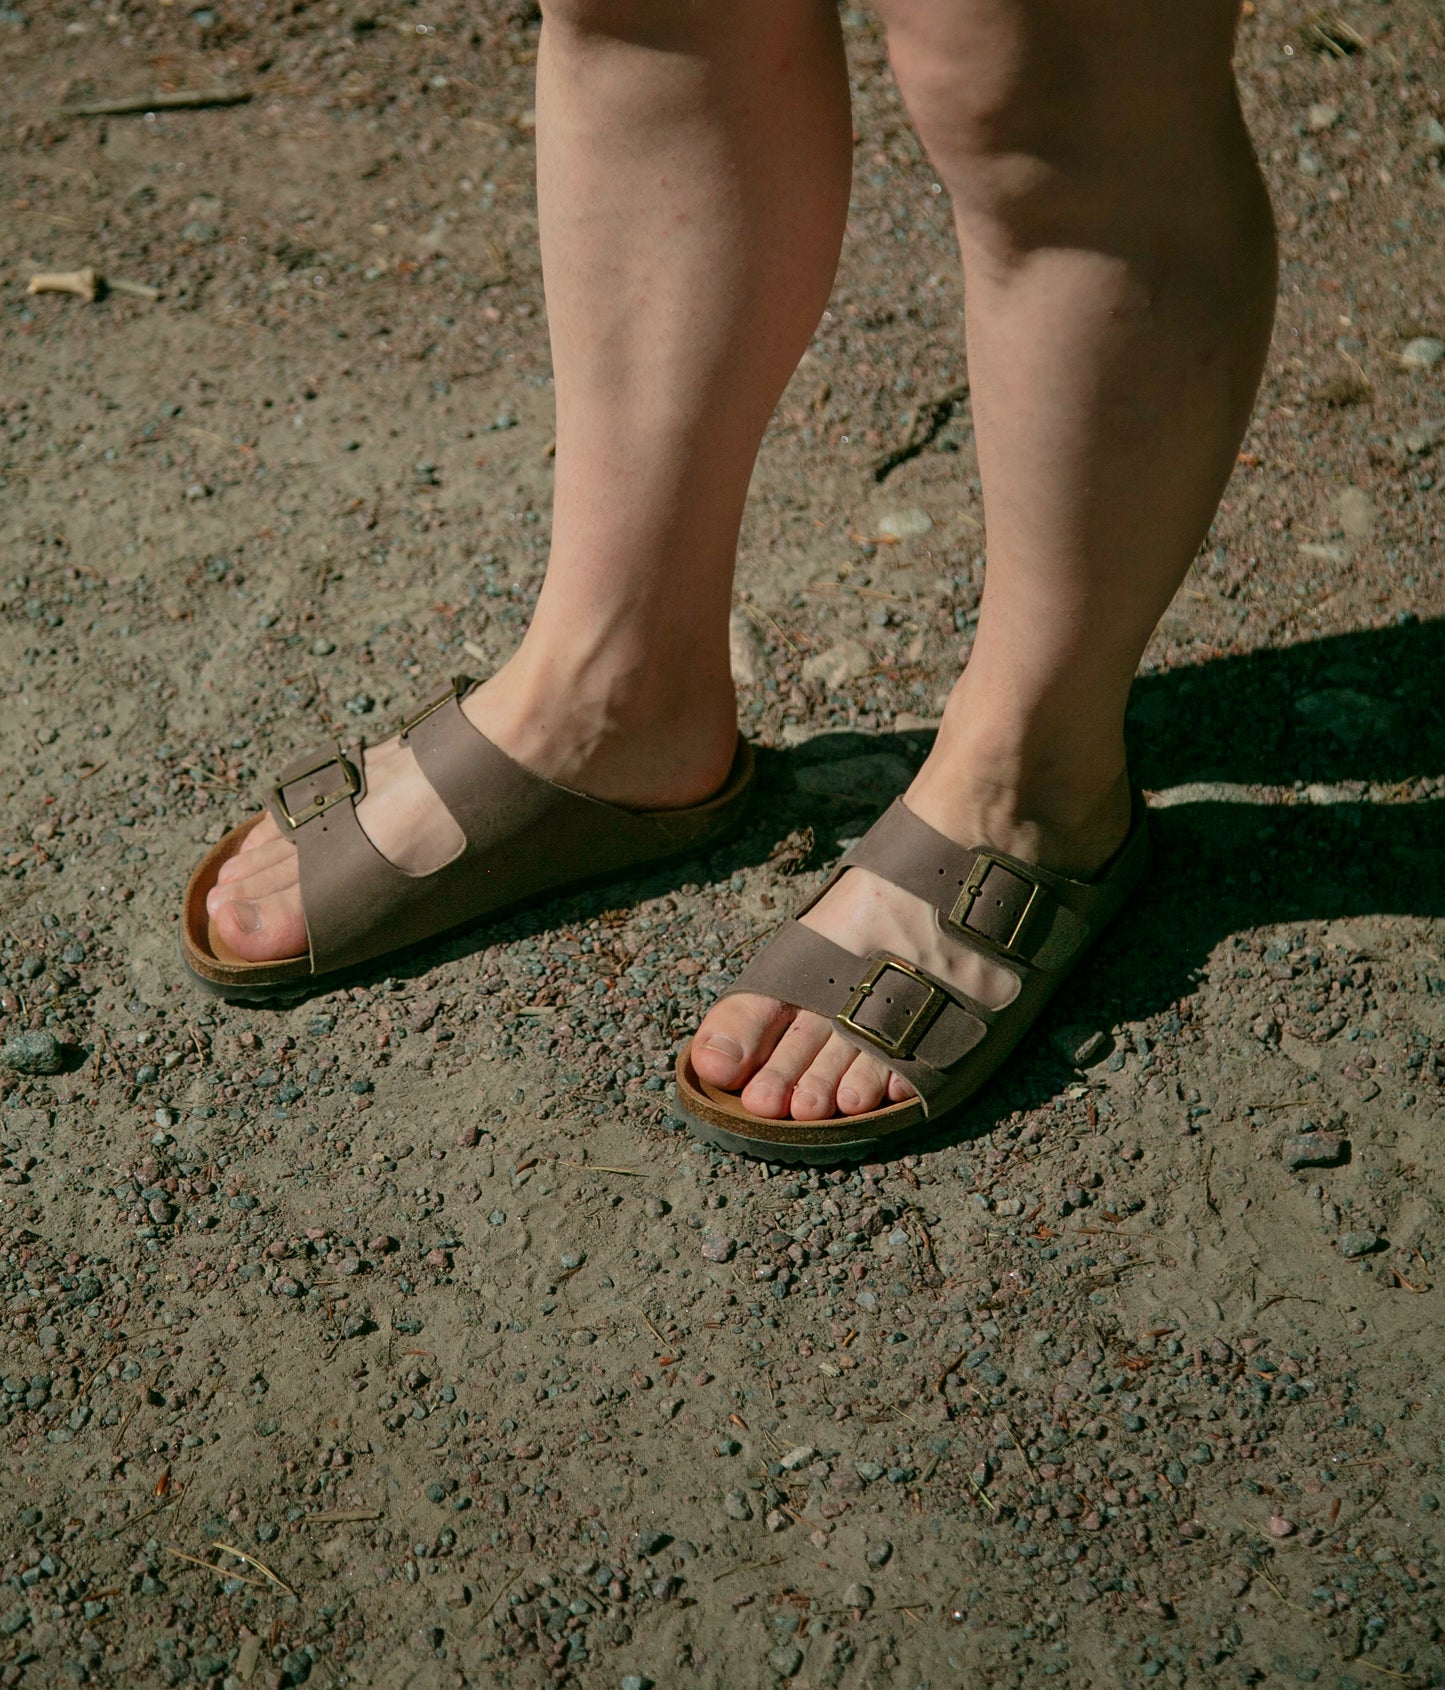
<point x="183" y="99"/>
<point x="598" y="1168"/>
<point x="501" y="1592"/>
<point x="211" y="1567"/>
<point x="252" y="1561"/>
<point x="342" y="1516"/>
<point x="155" y="1508"/>
<point x="928" y="422"/>
<point x="747" y="1567"/>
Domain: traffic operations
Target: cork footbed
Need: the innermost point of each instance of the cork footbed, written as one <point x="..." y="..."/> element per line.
<point x="720" y="1116"/>
<point x="207" y="956"/>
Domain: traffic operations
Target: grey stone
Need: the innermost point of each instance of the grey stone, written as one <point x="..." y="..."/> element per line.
<point x="910" y="524"/>
<point x="1315" y="1150"/>
<point x="736" y="1506"/>
<point x="1357" y="512"/>
<point x="836" y="665"/>
<point x="858" y="1596"/>
<point x="1358" y="1243"/>
<point x="796" y="1458"/>
<point x="33" y="1053"/>
<point x="716" y="1247"/>
<point x="746" y="655"/>
<point x="1422" y="353"/>
<point x="878" y="1554"/>
<point x="1346" y="714"/>
<point x="786" y="1659"/>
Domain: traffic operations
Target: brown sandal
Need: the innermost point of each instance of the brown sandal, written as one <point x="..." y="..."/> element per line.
<point x="942" y="1041"/>
<point x="526" y="837"/>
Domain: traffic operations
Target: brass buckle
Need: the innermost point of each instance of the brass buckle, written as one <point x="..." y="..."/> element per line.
<point x="973" y="886"/>
<point x="919" y="1023"/>
<point x="323" y="801"/>
<point x="460" y="684"/>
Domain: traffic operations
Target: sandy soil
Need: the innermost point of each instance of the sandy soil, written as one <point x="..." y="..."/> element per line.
<point x="415" y="1296"/>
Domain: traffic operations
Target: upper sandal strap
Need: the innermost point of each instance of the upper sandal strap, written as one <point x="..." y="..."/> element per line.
<point x="921" y="1025"/>
<point x="988" y="898"/>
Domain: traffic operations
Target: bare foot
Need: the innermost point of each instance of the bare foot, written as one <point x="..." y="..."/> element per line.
<point x="660" y="758"/>
<point x="788" y="1062"/>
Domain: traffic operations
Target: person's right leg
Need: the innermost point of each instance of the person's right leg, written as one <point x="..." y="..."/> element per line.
<point x="693" y="162"/>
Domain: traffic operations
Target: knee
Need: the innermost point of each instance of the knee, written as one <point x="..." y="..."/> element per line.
<point x="1046" y="120"/>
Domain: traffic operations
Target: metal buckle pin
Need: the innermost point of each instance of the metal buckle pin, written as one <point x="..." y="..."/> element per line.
<point x="323" y="801"/>
<point x="973" y="887"/>
<point x="918" y="1023"/>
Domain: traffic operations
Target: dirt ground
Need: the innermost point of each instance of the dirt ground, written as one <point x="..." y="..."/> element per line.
<point x="403" y="1337"/>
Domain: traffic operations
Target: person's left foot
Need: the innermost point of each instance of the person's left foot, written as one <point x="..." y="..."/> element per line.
<point x="788" y="1062"/>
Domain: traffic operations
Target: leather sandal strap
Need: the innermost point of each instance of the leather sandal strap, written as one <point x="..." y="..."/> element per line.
<point x="919" y="1024"/>
<point x="524" y="836"/>
<point x="341" y="873"/>
<point x="988" y="899"/>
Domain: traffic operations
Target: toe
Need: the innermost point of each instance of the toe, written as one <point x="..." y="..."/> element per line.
<point x="736" y="1037"/>
<point x="265" y="832"/>
<point x="864" y="1086"/>
<point x="899" y="1090"/>
<point x="261" y="929"/>
<point x="815" y="1095"/>
<point x="770" y="1091"/>
<point x="247" y="861"/>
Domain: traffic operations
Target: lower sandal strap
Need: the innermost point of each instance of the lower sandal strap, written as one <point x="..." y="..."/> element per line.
<point x="920" y="1025"/>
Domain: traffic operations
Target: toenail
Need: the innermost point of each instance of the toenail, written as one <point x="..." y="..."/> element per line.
<point x="724" y="1046"/>
<point x="848" y="1098"/>
<point x="247" y="915"/>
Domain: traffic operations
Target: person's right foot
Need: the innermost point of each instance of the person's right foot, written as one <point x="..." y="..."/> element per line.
<point x="654" y="760"/>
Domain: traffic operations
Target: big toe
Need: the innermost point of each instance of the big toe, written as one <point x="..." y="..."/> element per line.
<point x="264" y="927"/>
<point x="736" y="1038"/>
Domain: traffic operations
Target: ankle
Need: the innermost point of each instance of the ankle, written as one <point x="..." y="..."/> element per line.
<point x="1065" y="812"/>
<point x="624" y="735"/>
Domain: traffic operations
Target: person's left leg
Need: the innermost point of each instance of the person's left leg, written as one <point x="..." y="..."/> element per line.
<point x="1118" y="260"/>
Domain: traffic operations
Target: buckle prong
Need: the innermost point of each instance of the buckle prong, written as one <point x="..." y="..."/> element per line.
<point x="323" y="801"/>
<point x="972" y="890"/>
<point x="918" y="1023"/>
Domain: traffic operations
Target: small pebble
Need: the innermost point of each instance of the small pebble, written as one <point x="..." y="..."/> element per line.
<point x="796" y="1458"/>
<point x="878" y="1554"/>
<point x="1280" y="1527"/>
<point x="1357" y="1243"/>
<point x="33" y="1053"/>
<point x="736" y="1506"/>
<point x="1422" y="353"/>
<point x="1315" y="1150"/>
<point x="786" y="1659"/>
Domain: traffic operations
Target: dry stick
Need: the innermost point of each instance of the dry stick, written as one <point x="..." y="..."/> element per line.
<point x="342" y="1516"/>
<point x="211" y="1567"/>
<point x="252" y="1561"/>
<point x="746" y="1567"/>
<point x="501" y="1592"/>
<point x="155" y="1508"/>
<point x="185" y="99"/>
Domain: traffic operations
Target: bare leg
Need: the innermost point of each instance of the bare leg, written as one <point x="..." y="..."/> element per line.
<point x="1119" y="265"/>
<point x="693" y="164"/>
